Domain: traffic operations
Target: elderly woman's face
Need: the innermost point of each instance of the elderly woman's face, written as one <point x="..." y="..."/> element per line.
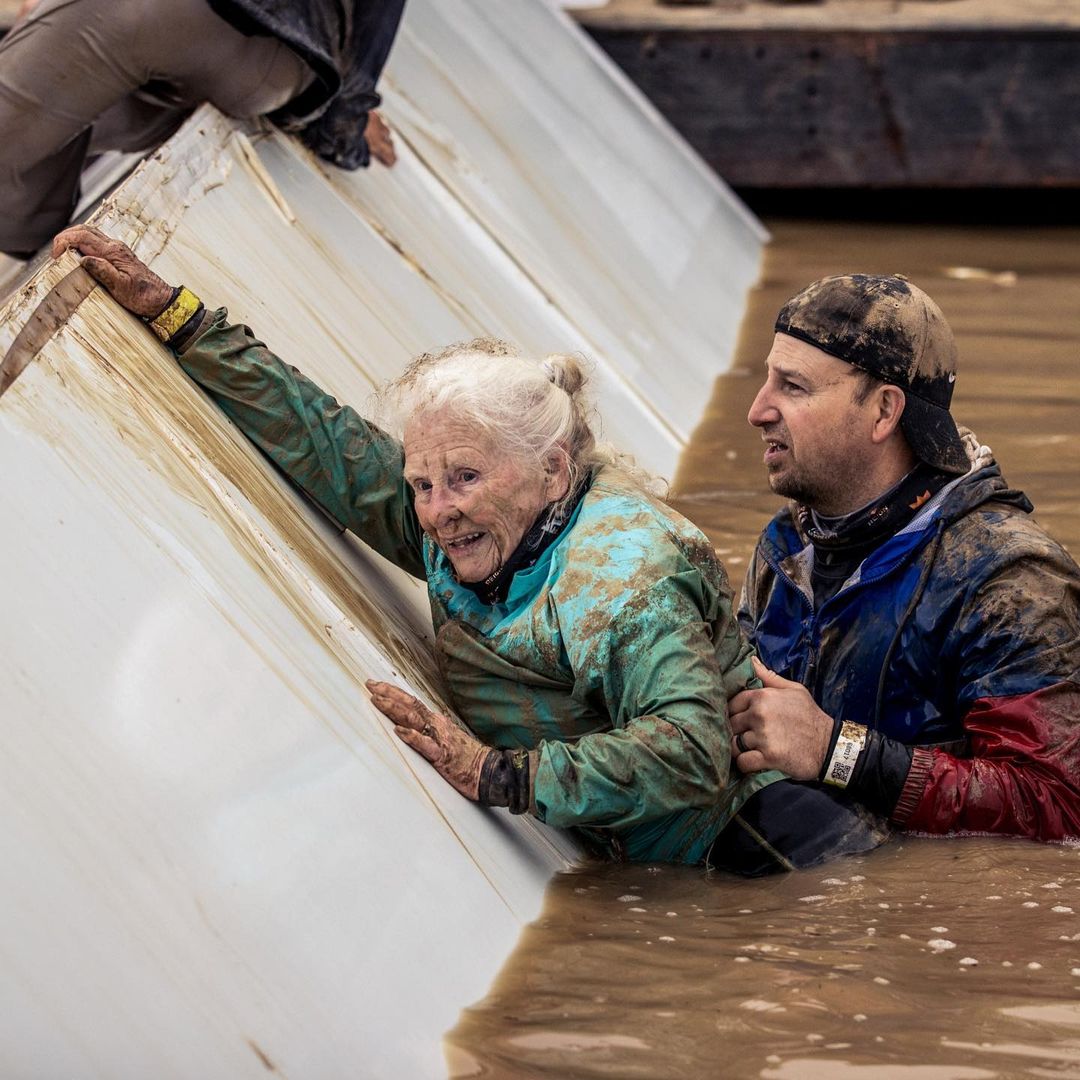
<point x="475" y="501"/>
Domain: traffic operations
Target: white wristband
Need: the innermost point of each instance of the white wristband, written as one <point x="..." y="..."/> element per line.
<point x="849" y="745"/>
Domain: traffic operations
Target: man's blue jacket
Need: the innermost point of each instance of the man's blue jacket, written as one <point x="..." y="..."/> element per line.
<point x="958" y="637"/>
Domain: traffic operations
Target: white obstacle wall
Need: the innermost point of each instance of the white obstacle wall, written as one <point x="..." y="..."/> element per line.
<point x="218" y="859"/>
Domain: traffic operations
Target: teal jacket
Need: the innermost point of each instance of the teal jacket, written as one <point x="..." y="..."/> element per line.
<point x="612" y="658"/>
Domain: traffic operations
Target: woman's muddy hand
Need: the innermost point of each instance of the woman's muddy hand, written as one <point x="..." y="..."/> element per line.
<point x="130" y="281"/>
<point x="456" y="755"/>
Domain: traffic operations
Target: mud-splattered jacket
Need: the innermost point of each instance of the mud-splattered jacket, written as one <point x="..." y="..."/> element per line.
<point x="962" y="630"/>
<point x="613" y="656"/>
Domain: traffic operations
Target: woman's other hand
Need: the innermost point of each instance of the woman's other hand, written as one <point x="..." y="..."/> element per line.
<point x="456" y="755"/>
<point x="130" y="281"/>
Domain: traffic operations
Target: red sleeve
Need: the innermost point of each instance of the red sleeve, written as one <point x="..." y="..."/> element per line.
<point x="1022" y="779"/>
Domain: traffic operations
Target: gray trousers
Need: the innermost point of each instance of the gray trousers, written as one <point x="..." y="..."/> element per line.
<point x="82" y="76"/>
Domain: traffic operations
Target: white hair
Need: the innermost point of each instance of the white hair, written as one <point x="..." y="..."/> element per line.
<point x="530" y="409"/>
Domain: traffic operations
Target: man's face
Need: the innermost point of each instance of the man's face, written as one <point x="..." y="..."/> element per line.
<point x="817" y="438"/>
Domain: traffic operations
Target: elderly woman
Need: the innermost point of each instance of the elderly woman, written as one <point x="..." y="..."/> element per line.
<point x="583" y="628"/>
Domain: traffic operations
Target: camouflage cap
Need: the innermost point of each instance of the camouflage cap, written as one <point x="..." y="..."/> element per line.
<point x="890" y="328"/>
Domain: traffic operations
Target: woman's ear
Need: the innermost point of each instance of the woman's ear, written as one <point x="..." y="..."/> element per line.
<point x="556" y="475"/>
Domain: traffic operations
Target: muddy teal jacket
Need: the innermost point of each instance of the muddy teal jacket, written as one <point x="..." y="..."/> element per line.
<point x="612" y="658"/>
<point x="957" y="642"/>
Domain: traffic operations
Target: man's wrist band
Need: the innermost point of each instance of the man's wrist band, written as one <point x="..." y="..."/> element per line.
<point x="182" y="307"/>
<point x="850" y="743"/>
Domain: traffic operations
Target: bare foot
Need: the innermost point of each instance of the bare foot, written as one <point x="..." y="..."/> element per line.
<point x="379" y="140"/>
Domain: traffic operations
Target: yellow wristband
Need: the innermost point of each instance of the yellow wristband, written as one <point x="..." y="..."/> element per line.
<point x="176" y="314"/>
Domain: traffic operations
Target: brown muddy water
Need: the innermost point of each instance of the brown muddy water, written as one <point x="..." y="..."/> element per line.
<point x="929" y="959"/>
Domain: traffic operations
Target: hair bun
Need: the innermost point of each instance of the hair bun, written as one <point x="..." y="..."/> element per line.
<point x="565" y="371"/>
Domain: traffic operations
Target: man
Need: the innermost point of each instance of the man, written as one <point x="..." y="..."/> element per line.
<point x="78" y="77"/>
<point x="921" y="632"/>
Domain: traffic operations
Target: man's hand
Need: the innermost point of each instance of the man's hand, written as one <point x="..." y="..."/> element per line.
<point x="456" y="755"/>
<point x="780" y="727"/>
<point x="130" y="281"/>
<point x="25" y="8"/>
<point x="379" y="140"/>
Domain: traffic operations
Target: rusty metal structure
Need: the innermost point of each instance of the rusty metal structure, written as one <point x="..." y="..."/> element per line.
<point x="853" y="93"/>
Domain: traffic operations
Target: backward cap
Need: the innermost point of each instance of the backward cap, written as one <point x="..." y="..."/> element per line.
<point x="890" y="328"/>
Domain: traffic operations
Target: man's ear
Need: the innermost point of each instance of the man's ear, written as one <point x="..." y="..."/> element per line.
<point x="889" y="401"/>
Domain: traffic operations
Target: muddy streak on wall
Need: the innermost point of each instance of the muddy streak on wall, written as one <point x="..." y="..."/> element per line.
<point x="954" y="959"/>
<point x="182" y="437"/>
